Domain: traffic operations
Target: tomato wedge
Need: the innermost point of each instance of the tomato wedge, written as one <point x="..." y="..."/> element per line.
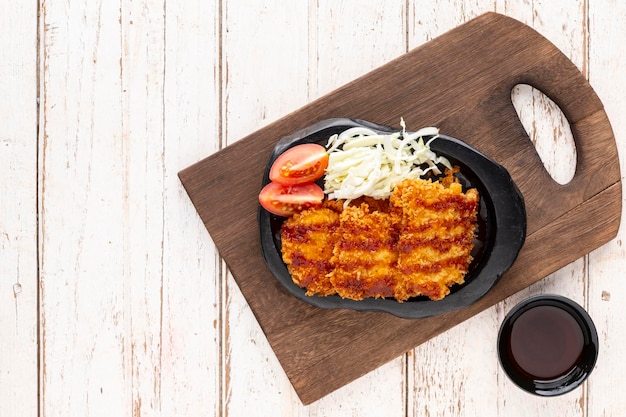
<point x="300" y="164"/>
<point x="286" y="200"/>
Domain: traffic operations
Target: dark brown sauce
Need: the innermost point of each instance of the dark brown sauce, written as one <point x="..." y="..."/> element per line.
<point x="546" y="342"/>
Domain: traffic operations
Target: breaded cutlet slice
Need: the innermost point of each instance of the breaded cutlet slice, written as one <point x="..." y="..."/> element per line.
<point x="365" y="256"/>
<point x="308" y="239"/>
<point x="435" y="238"/>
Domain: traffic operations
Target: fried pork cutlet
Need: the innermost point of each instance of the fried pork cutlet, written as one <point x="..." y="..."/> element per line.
<point x="417" y="243"/>
<point x="308" y="239"/>
<point x="365" y="256"/>
<point x="435" y="237"/>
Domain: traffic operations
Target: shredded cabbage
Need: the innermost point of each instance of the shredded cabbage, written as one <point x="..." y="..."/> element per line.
<point x="366" y="163"/>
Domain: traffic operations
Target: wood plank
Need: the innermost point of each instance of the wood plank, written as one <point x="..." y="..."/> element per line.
<point x="492" y="127"/>
<point x="18" y="205"/>
<point x="606" y="301"/>
<point x="141" y="249"/>
<point x="84" y="277"/>
<point x="264" y="75"/>
<point x="101" y="211"/>
<point x="192" y="323"/>
<point x="148" y="311"/>
<point x="344" y="52"/>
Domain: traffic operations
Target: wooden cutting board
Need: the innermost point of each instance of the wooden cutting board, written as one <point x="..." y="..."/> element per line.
<point x="460" y="82"/>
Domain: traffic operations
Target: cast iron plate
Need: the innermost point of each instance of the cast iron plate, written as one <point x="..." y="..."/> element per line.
<point x="500" y="236"/>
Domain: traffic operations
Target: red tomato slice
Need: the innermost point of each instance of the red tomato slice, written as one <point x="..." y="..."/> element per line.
<point x="285" y="200"/>
<point x="300" y="164"/>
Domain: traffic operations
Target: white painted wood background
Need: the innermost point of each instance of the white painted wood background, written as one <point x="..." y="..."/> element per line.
<point x="113" y="300"/>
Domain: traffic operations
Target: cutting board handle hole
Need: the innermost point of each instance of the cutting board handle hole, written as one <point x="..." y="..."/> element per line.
<point x="548" y="130"/>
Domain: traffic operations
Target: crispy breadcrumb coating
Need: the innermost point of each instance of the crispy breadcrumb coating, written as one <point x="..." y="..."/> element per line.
<point x="308" y="239"/>
<point x="365" y="256"/>
<point x="436" y="236"/>
<point x="417" y="243"/>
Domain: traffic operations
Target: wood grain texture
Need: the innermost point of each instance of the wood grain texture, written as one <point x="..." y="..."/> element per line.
<point x="605" y="300"/>
<point x="109" y="181"/>
<point x="264" y="75"/>
<point x="142" y="138"/>
<point x="191" y="378"/>
<point x="113" y="297"/>
<point x="85" y="285"/>
<point x="18" y="212"/>
<point x="492" y="127"/>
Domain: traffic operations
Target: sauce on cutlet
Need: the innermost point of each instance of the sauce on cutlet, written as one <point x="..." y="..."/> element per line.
<point x="440" y="244"/>
<point x="308" y="239"/>
<point x="459" y="262"/>
<point x="439" y="255"/>
<point x="298" y="260"/>
<point x="419" y="242"/>
<point x="367" y="245"/>
<point x="300" y="232"/>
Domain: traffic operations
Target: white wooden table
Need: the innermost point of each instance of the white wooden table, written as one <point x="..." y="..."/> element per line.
<point x="113" y="300"/>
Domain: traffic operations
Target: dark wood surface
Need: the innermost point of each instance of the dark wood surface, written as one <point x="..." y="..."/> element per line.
<point x="460" y="82"/>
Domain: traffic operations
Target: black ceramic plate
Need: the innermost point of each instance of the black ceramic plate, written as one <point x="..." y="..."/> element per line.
<point x="500" y="236"/>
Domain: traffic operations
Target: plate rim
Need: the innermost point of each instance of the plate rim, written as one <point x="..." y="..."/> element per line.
<point x="502" y="256"/>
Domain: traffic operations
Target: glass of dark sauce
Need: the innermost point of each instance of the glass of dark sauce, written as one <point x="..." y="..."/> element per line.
<point x="548" y="345"/>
